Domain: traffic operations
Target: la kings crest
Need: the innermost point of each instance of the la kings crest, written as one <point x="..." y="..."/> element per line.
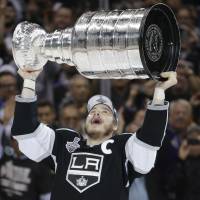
<point x="84" y="170"/>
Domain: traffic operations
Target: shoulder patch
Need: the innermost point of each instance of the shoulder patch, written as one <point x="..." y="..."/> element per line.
<point x="73" y="145"/>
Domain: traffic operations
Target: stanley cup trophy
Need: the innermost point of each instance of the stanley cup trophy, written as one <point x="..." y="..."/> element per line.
<point x="129" y="44"/>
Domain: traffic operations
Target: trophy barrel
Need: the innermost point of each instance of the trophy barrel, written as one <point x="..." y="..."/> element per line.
<point x="137" y="43"/>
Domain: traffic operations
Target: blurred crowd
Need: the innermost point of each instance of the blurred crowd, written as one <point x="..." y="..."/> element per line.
<point x="63" y="94"/>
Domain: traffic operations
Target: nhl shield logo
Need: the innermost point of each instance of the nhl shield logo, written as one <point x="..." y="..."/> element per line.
<point x="84" y="170"/>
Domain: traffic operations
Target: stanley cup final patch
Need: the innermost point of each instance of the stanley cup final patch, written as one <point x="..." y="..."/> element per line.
<point x="72" y="146"/>
<point x="84" y="170"/>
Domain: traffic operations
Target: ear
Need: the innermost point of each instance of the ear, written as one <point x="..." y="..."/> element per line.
<point x="115" y="126"/>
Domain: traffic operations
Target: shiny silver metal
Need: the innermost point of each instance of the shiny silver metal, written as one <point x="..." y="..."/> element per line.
<point x="130" y="44"/>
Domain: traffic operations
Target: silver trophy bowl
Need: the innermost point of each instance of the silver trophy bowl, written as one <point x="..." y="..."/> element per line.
<point x="129" y="44"/>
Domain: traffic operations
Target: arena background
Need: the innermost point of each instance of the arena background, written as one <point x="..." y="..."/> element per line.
<point x="63" y="94"/>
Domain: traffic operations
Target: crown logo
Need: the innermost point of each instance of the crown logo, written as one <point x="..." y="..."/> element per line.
<point x="81" y="182"/>
<point x="101" y="100"/>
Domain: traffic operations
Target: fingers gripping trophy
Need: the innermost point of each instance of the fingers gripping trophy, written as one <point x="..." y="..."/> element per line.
<point x="129" y="44"/>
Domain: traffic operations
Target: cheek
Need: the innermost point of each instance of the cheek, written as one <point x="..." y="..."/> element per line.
<point x="88" y="119"/>
<point x="87" y="122"/>
<point x="108" y="121"/>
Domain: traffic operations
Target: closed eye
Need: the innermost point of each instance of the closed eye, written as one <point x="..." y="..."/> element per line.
<point x="92" y="111"/>
<point x="105" y="111"/>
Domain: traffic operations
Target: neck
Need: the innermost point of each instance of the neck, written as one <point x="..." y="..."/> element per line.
<point x="96" y="141"/>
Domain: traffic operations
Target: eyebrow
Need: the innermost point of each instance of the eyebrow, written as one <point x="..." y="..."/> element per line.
<point x="104" y="107"/>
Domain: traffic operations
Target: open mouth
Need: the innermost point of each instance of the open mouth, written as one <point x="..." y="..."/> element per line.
<point x="96" y="120"/>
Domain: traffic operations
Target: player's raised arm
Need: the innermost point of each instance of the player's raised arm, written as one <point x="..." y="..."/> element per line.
<point x="35" y="139"/>
<point x="142" y="147"/>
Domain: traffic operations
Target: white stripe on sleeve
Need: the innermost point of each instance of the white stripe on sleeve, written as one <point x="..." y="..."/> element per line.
<point x="37" y="145"/>
<point x="141" y="155"/>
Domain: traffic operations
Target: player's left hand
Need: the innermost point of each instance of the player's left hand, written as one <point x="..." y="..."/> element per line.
<point x="32" y="75"/>
<point x="171" y="77"/>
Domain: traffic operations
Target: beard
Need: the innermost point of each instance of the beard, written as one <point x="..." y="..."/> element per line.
<point x="98" y="133"/>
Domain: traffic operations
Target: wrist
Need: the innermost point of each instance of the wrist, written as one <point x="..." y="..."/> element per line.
<point x="28" y="90"/>
<point x="29" y="84"/>
<point x="159" y="96"/>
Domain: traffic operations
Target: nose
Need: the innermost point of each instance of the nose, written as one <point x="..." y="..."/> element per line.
<point x="97" y="113"/>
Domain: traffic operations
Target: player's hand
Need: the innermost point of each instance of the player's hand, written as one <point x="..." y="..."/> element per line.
<point x="159" y="92"/>
<point x="171" y="77"/>
<point x="32" y="75"/>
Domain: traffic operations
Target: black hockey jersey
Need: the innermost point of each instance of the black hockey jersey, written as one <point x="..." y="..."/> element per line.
<point x="83" y="172"/>
<point x="86" y="173"/>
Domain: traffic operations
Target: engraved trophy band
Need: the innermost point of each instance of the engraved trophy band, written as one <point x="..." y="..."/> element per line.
<point x="128" y="44"/>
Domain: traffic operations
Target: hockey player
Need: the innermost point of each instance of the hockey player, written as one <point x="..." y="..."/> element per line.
<point x="101" y="167"/>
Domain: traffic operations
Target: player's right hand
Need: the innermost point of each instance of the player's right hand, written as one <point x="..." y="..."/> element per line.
<point x="32" y="75"/>
<point x="171" y="77"/>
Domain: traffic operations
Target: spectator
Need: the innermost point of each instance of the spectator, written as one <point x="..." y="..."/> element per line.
<point x="183" y="87"/>
<point x="8" y="83"/>
<point x="21" y="178"/>
<point x="119" y="91"/>
<point x="136" y="122"/>
<point x="8" y="91"/>
<point x="180" y="117"/>
<point x="190" y="32"/>
<point x="136" y="100"/>
<point x="70" y="117"/>
<point x="33" y="12"/>
<point x="188" y="167"/>
<point x="174" y="4"/>
<point x="8" y="22"/>
<point x="79" y="92"/>
<point x="63" y="17"/>
<point x="46" y="113"/>
<point x="195" y="102"/>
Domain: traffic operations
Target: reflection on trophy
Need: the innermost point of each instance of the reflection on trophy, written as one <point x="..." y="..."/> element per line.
<point x="130" y="44"/>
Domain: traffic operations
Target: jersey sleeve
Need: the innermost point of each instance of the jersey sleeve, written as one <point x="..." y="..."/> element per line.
<point x="35" y="139"/>
<point x="141" y="148"/>
<point x="44" y="181"/>
<point x="128" y="171"/>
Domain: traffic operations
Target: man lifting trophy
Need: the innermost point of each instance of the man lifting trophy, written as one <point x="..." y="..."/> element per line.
<point x="129" y="44"/>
